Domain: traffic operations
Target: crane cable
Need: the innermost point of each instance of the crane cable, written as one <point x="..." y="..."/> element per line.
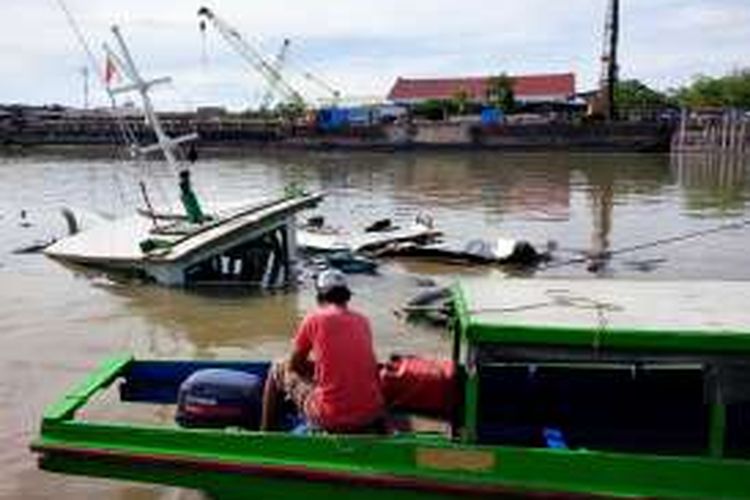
<point x="302" y="67"/>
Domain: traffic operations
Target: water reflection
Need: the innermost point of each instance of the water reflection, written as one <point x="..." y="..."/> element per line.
<point x="714" y="183"/>
<point x="207" y="323"/>
<point x="601" y="198"/>
<point x="489" y="184"/>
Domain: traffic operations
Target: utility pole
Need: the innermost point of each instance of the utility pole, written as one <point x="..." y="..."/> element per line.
<point x="85" y="76"/>
<point x="608" y="78"/>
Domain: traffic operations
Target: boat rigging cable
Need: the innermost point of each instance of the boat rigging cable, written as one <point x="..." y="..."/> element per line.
<point x="582" y="302"/>
<point x="125" y="129"/>
<point x="741" y="224"/>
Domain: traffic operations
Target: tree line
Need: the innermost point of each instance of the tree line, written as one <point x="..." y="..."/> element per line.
<point x="728" y="91"/>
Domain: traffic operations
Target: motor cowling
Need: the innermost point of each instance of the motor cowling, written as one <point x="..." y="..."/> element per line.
<point x="217" y="398"/>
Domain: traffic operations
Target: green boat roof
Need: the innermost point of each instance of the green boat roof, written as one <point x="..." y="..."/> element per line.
<point x="674" y="316"/>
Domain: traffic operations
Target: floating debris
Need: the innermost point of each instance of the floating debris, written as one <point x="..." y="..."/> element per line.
<point x="24" y="221"/>
<point x="645" y="265"/>
<point x="327" y="239"/>
<point x="380" y="226"/>
<point x="504" y="251"/>
<point x="432" y="305"/>
<point x="35" y="247"/>
<point x="347" y="262"/>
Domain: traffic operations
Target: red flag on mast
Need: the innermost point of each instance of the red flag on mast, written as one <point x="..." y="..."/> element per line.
<point x="110" y="70"/>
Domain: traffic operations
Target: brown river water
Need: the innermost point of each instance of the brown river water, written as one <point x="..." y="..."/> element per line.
<point x="56" y="324"/>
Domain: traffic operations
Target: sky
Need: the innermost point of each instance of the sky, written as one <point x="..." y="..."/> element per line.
<point x="360" y="46"/>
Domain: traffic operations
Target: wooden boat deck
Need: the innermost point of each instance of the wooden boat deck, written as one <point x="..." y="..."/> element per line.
<point x="118" y="242"/>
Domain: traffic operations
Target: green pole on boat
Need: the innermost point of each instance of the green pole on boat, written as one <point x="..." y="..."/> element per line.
<point x="189" y="199"/>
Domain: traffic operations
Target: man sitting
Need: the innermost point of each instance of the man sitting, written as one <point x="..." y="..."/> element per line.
<point x="338" y="389"/>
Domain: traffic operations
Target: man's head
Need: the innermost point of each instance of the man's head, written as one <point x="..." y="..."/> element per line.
<point x="332" y="288"/>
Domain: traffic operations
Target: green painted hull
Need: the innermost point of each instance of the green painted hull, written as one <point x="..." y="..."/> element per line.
<point x="284" y="468"/>
<point x="234" y="464"/>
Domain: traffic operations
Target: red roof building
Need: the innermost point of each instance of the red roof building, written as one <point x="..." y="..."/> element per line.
<point x="558" y="87"/>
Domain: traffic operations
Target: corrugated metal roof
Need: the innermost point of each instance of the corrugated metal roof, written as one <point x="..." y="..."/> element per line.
<point x="553" y="86"/>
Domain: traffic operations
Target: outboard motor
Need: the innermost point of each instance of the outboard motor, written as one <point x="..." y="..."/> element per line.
<point x="217" y="398"/>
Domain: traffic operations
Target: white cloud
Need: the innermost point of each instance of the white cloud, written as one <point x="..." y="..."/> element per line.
<point x="363" y="46"/>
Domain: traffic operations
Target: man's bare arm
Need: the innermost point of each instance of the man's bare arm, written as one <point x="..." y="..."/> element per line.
<point x="300" y="364"/>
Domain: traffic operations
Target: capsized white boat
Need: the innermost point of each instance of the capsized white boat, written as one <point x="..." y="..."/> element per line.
<point x="251" y="245"/>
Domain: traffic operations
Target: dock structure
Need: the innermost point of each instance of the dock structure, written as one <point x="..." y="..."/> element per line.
<point x="51" y="126"/>
<point x="99" y="128"/>
<point x="722" y="131"/>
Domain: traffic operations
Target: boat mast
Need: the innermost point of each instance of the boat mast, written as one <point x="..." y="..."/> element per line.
<point x="167" y="145"/>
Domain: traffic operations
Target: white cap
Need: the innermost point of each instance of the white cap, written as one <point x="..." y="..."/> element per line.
<point x="330" y="279"/>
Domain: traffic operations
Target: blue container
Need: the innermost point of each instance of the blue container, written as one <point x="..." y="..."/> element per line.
<point x="333" y="118"/>
<point x="491" y="116"/>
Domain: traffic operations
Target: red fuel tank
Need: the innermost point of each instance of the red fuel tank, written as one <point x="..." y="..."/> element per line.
<point x="419" y="385"/>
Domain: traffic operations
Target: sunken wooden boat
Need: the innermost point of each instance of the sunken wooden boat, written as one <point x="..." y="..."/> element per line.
<point x="567" y="389"/>
<point x="251" y="245"/>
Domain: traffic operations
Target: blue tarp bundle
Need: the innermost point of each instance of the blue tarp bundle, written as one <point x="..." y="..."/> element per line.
<point x="491" y="116"/>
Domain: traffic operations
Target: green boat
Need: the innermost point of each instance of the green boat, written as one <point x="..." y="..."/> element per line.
<point x="565" y="391"/>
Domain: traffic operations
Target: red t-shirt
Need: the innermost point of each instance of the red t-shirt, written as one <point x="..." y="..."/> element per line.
<point x="347" y="391"/>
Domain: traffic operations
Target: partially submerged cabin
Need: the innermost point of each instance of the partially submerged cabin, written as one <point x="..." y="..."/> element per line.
<point x="246" y="246"/>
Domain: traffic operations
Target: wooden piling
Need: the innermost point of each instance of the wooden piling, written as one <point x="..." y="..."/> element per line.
<point x="743" y="136"/>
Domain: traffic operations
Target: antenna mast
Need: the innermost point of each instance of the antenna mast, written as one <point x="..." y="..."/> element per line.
<point x="85" y="78"/>
<point x="608" y="79"/>
<point x="164" y="143"/>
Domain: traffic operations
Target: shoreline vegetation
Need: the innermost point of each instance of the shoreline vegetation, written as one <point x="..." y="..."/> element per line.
<point x="730" y="91"/>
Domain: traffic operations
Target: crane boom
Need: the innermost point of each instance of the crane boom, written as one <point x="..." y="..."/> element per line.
<point x="335" y="93"/>
<point x="278" y="64"/>
<point x="253" y="57"/>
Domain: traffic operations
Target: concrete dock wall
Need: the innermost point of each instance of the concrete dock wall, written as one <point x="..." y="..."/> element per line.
<point x="228" y="132"/>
